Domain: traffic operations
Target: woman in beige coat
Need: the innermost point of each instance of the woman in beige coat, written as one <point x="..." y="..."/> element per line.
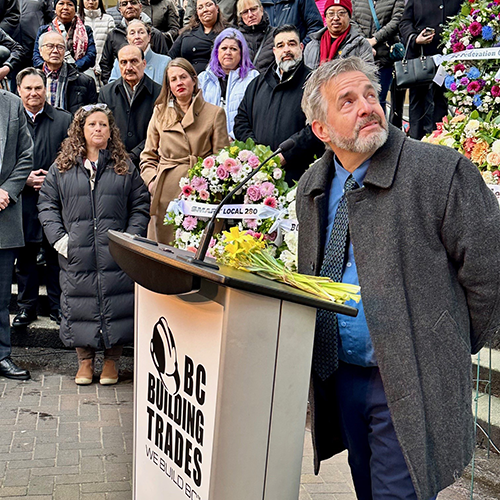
<point x="182" y="128"/>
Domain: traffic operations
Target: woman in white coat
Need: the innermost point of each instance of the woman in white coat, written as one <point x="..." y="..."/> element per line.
<point x="228" y="74"/>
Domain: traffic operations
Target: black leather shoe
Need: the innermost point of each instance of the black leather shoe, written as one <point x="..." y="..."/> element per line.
<point x="9" y="369"/>
<point x="55" y="316"/>
<point x="24" y="318"/>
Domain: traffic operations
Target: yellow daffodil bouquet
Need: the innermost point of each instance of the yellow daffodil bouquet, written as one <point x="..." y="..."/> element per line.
<point x="244" y="251"/>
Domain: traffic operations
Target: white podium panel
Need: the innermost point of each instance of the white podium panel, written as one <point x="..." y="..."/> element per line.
<point x="221" y="385"/>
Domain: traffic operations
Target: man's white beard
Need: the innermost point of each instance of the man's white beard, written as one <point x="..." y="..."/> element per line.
<point x="286" y="66"/>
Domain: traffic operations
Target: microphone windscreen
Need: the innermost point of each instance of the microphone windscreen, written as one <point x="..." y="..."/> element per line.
<point x="286" y="145"/>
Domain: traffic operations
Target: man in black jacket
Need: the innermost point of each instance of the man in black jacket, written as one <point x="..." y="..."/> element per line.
<point x="48" y="127"/>
<point x="270" y="110"/>
<point x="117" y="38"/>
<point x="9" y="16"/>
<point x="131" y="98"/>
<point x="67" y="88"/>
<point x="14" y="60"/>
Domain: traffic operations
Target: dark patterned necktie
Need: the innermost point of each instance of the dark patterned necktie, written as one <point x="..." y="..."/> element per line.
<point x="325" y="354"/>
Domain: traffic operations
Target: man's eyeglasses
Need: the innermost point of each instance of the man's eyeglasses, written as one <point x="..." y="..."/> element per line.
<point x="251" y="10"/>
<point x="60" y="47"/>
<point x="330" y="14"/>
<point x="127" y="2"/>
<point x="92" y="107"/>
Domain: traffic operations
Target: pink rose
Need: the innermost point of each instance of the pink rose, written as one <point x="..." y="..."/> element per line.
<point x="253" y="193"/>
<point x="277" y="173"/>
<point x="267" y="188"/>
<point x="187" y="190"/>
<point x="244" y="155"/>
<point x="253" y="161"/>
<point x="493" y="159"/>
<point x="271" y="201"/>
<point x="222" y="173"/>
<point x="204" y="194"/>
<point x="199" y="183"/>
<point x="189" y="223"/>
<point x="209" y="162"/>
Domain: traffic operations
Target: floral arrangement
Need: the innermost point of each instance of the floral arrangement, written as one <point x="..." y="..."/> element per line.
<point x="473" y="85"/>
<point x="211" y="178"/>
<point x="244" y="251"/>
<point x="476" y="138"/>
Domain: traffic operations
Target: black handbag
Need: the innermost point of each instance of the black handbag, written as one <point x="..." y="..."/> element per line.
<point x="414" y="72"/>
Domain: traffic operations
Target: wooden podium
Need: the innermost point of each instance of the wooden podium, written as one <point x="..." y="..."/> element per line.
<point x="222" y="366"/>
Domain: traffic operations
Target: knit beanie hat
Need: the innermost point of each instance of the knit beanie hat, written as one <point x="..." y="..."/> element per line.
<point x="57" y="1"/>
<point x="339" y="3"/>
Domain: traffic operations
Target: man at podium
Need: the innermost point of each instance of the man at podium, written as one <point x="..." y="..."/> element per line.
<point x="416" y="226"/>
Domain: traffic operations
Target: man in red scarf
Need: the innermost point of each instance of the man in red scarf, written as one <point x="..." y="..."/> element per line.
<point x="338" y="39"/>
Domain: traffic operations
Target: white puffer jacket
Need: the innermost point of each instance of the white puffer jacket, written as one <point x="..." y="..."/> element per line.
<point x="101" y="25"/>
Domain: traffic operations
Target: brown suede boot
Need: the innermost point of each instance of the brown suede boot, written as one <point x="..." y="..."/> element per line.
<point x="85" y="372"/>
<point x="109" y="375"/>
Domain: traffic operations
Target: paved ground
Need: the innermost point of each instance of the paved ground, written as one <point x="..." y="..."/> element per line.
<point x="63" y="442"/>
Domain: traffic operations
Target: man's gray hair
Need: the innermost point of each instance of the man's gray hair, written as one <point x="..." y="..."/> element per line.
<point x="314" y="103"/>
<point x="41" y="38"/>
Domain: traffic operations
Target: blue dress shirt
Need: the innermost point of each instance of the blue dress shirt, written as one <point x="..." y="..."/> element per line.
<point x="355" y="346"/>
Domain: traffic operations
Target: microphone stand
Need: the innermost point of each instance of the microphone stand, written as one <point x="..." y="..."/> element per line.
<point x="209" y="230"/>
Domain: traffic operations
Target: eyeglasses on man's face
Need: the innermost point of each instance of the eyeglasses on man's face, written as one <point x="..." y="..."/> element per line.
<point x="60" y="47"/>
<point x="330" y="14"/>
<point x="251" y="10"/>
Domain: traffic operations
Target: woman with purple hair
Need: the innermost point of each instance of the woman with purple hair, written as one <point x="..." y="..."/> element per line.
<point x="228" y="74"/>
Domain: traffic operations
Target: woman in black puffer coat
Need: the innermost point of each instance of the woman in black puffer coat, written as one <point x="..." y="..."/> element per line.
<point x="93" y="187"/>
<point x="253" y="22"/>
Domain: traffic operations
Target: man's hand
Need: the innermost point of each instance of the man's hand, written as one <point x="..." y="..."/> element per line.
<point x="4" y="199"/>
<point x="282" y="159"/>
<point x="372" y="41"/>
<point x="4" y="71"/>
<point x="36" y="178"/>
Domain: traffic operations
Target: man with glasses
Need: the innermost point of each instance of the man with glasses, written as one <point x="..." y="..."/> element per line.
<point x="338" y="39"/>
<point x="67" y="88"/>
<point x="48" y="127"/>
<point x="270" y="110"/>
<point x="117" y="38"/>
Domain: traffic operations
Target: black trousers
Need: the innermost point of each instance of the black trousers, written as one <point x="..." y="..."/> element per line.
<point x="27" y="273"/>
<point x="6" y="268"/>
<point x="428" y="106"/>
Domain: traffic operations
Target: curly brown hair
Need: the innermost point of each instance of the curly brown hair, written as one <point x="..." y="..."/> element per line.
<point x="74" y="145"/>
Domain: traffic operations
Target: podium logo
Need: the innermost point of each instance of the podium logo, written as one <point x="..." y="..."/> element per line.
<point x="164" y="355"/>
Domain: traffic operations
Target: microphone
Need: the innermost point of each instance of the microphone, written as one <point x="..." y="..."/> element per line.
<point x="209" y="230"/>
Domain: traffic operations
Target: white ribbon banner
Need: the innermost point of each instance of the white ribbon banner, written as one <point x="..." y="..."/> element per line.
<point x="469" y="55"/>
<point x="240" y="211"/>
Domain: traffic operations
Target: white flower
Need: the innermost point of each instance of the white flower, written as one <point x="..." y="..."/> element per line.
<point x="292" y="213"/>
<point x="185" y="236"/>
<point x="183" y="182"/>
<point x="477" y="45"/>
<point x="222" y="157"/>
<point x="495" y="147"/>
<point x="289" y="259"/>
<point x="449" y="141"/>
<point x="178" y="219"/>
<point x="275" y="192"/>
<point x="205" y="172"/>
<point x="465" y="41"/>
<point x="473" y="125"/>
<point x="260" y="177"/>
<point x="277" y="173"/>
<point x="488" y="177"/>
<point x="291" y="195"/>
<point x="497" y="100"/>
<point x="459" y="73"/>
<point x="291" y="240"/>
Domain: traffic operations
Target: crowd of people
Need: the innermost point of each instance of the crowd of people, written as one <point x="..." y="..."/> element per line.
<point x="115" y="107"/>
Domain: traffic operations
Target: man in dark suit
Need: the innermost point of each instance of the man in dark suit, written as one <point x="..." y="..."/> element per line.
<point x="48" y="127"/>
<point x="16" y="160"/>
<point x="417" y="228"/>
<point x="131" y="98"/>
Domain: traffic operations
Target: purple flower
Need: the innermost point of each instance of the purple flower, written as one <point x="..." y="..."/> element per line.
<point x="453" y="87"/>
<point x="253" y="193"/>
<point x="189" y="223"/>
<point x="470" y="46"/>
<point x="464" y="81"/>
<point x="221" y="172"/>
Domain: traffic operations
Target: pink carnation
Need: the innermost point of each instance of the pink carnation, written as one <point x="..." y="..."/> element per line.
<point x="253" y="161"/>
<point x="458" y="47"/>
<point x="475" y="28"/>
<point x="495" y="91"/>
<point x="199" y="183"/>
<point x="187" y="190"/>
<point x="209" y="162"/>
<point x="189" y="223"/>
<point x="271" y="201"/>
<point x="204" y="194"/>
<point x="235" y="169"/>
<point x="253" y="193"/>
<point x="251" y="223"/>
<point x="222" y="173"/>
<point x="459" y="67"/>
<point x="267" y="188"/>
